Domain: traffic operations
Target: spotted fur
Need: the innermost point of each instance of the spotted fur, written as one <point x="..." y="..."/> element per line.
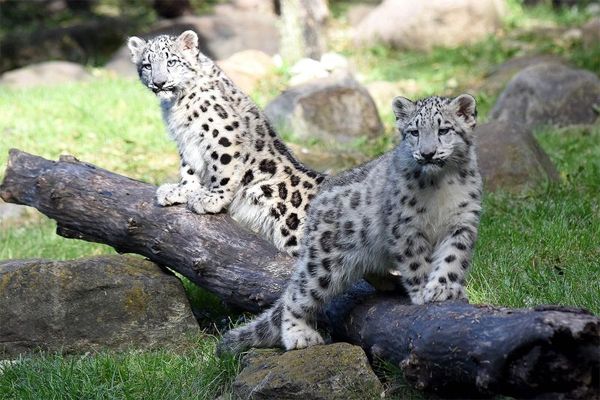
<point x="231" y="158"/>
<point x="415" y="209"/>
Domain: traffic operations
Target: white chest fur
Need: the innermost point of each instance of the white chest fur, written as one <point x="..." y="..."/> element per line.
<point x="189" y="143"/>
<point x="441" y="206"/>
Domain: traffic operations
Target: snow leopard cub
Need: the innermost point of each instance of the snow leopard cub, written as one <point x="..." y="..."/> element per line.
<point x="416" y="208"/>
<point x="231" y="158"/>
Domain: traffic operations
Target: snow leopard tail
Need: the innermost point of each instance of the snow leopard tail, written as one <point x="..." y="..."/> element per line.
<point x="263" y="331"/>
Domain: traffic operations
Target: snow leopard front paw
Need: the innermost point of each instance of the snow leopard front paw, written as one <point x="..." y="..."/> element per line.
<point x="441" y="291"/>
<point x="203" y="201"/>
<point x="301" y="336"/>
<point x="196" y="205"/>
<point x="169" y="194"/>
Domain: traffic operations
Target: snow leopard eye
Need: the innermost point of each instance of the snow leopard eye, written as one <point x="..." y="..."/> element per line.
<point x="413" y="132"/>
<point x="443" y="131"/>
<point x="171" y="63"/>
<point x="146" y="66"/>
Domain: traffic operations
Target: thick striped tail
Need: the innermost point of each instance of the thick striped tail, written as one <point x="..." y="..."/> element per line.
<point x="263" y="331"/>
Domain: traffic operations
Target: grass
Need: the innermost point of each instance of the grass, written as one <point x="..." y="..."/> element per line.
<point x="535" y="247"/>
<point x="542" y="247"/>
<point x="192" y="372"/>
<point x="115" y="123"/>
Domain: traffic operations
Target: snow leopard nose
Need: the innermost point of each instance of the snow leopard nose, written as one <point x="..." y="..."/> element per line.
<point x="428" y="156"/>
<point x="159" y="82"/>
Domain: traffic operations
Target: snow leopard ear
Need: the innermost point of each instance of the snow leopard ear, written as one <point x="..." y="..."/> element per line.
<point x="188" y="41"/>
<point x="403" y="108"/>
<point x="465" y="107"/>
<point x="136" y="47"/>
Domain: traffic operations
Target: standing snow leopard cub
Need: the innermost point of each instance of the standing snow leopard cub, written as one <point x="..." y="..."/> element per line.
<point x="231" y="158"/>
<point x="415" y="208"/>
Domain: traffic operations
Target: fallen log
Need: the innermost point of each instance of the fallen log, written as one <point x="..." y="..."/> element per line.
<point x="453" y="348"/>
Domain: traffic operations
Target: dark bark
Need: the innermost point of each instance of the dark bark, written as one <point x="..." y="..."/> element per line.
<point x="453" y="348"/>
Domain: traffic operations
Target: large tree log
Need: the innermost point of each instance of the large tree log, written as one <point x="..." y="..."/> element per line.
<point x="453" y="348"/>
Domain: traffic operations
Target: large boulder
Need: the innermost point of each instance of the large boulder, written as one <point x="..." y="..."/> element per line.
<point x="423" y="25"/>
<point x="112" y="302"/>
<point x="549" y="93"/>
<point x="335" y="108"/>
<point x="500" y="75"/>
<point x="337" y="371"/>
<point x="510" y="157"/>
<point x="45" y="73"/>
<point x="225" y="32"/>
<point x="247" y="68"/>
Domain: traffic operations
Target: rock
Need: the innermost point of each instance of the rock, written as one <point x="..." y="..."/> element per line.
<point x="45" y="73"/>
<point x="418" y="25"/>
<point x="510" y="157"/>
<point x="259" y="6"/>
<point x="120" y="63"/>
<point x="11" y="212"/>
<point x="247" y="68"/>
<point x="357" y="12"/>
<point x="327" y="160"/>
<point x="590" y="32"/>
<point x="79" y="42"/>
<point x="499" y="76"/>
<point x="549" y="93"/>
<point x="383" y="92"/>
<point x="221" y="34"/>
<point x="336" y="371"/>
<point x="83" y="305"/>
<point x="334" y="62"/>
<point x="336" y="108"/>
<point x="306" y="70"/>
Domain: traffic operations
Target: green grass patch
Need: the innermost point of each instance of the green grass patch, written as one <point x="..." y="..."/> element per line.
<point x="192" y="372"/>
<point x="542" y="247"/>
<point x="113" y="123"/>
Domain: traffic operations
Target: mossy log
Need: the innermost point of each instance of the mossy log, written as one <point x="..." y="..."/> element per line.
<point x="453" y="348"/>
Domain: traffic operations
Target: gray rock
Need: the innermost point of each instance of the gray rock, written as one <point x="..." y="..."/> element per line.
<point x="419" y="25"/>
<point x="501" y="74"/>
<point x="45" y="73"/>
<point x="120" y="63"/>
<point x="357" y="12"/>
<point x="337" y="371"/>
<point x="549" y="94"/>
<point x="510" y="157"/>
<point x="83" y="305"/>
<point x="335" y="108"/>
<point x="227" y="31"/>
<point x="89" y="39"/>
<point x="11" y="212"/>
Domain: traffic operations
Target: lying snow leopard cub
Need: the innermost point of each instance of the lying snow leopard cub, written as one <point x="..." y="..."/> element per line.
<point x="415" y="208"/>
<point x="231" y="158"/>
